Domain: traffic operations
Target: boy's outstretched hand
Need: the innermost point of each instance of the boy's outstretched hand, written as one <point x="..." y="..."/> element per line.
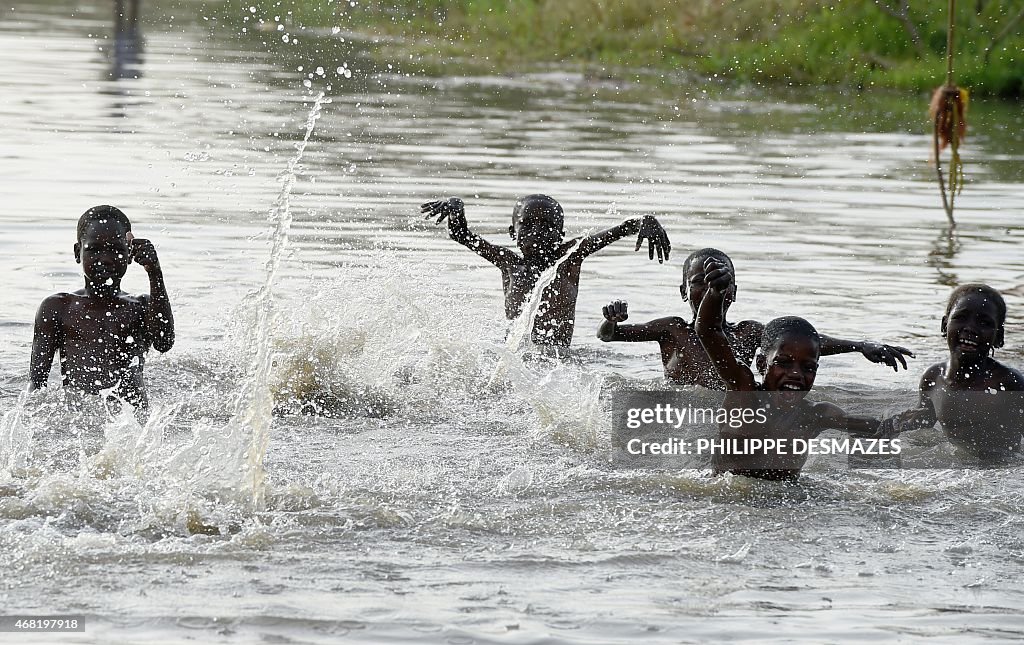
<point x="888" y="354"/>
<point x="717" y="275"/>
<point x="452" y="208"/>
<point x="615" y="311"/>
<point x="657" y="238"/>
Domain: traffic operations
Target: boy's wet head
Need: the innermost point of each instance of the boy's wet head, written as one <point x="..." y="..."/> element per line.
<point x="105" y="215"/>
<point x="537" y="222"/>
<point x="974" y="318"/>
<point x="790" y="349"/>
<point x="103" y="246"/>
<point x="693" y="288"/>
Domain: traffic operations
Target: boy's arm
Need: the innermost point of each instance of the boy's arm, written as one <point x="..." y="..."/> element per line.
<point x="709" y="327"/>
<point x="923" y="416"/>
<point x="833" y="417"/>
<point x="891" y="355"/>
<point x="458" y="230"/>
<point x="45" y="341"/>
<point x="646" y="227"/>
<point x="159" y="320"/>
<point x="616" y="312"/>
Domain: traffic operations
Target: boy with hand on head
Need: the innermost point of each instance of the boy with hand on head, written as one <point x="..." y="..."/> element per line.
<point x="537" y="230"/>
<point x="788" y="365"/>
<point x="682" y="355"/>
<point x="969" y="393"/>
<point x="101" y="332"/>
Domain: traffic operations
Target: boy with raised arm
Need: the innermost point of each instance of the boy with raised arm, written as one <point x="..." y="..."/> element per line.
<point x="537" y="230"/>
<point x="682" y="356"/>
<point x="101" y="332"/>
<point x="788" y="364"/>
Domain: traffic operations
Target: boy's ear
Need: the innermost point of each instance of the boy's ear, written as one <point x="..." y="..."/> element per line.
<point x="682" y="292"/>
<point x="762" y="363"/>
<point x="942" y="327"/>
<point x="512" y="232"/>
<point x="999" y="337"/>
<point x="78" y="252"/>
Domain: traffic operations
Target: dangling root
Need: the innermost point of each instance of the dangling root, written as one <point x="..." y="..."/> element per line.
<point x="948" y="112"/>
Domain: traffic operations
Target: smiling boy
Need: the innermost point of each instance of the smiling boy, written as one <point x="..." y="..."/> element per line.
<point x="788" y="364"/>
<point x="101" y="332"/>
<point x="537" y="230"/>
<point x="969" y="394"/>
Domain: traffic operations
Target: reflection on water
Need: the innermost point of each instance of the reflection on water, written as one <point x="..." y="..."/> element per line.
<point x="438" y="502"/>
<point x="127" y="51"/>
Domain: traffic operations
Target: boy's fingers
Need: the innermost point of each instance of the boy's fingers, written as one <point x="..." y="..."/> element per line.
<point x="902" y="360"/>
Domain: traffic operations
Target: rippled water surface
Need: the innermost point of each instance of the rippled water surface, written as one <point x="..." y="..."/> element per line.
<point x="459" y="494"/>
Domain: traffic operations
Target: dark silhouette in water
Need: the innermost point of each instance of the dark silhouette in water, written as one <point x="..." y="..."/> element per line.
<point x="127" y="51"/>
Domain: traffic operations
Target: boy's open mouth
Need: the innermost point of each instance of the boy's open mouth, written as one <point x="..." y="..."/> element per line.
<point x="968" y="344"/>
<point x="791" y="392"/>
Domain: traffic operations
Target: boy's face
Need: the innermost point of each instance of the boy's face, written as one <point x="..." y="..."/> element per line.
<point x="536" y="230"/>
<point x="972" y="327"/>
<point x="791" y="365"/>
<point x="103" y="252"/>
<point x="694" y="287"/>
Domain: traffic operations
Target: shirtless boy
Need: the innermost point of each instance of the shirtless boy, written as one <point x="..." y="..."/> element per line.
<point x="682" y="356"/>
<point x="537" y="230"/>
<point x="101" y="332"/>
<point x="975" y="397"/>
<point x="788" y="364"/>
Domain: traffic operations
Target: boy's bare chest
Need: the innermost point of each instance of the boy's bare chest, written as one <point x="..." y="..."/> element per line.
<point x="687" y="351"/>
<point x="85" y="323"/>
<point x="521" y="279"/>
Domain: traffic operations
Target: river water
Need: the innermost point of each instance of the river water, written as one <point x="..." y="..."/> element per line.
<point x="451" y="492"/>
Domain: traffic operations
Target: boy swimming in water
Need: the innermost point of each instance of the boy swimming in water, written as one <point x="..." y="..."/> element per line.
<point x="537" y="230"/>
<point x="969" y="393"/>
<point x="101" y="332"/>
<point x="788" y="364"/>
<point x="683" y="358"/>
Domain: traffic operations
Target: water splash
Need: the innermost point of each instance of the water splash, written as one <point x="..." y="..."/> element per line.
<point x="520" y="331"/>
<point x="565" y="400"/>
<point x="15" y="437"/>
<point x="248" y="431"/>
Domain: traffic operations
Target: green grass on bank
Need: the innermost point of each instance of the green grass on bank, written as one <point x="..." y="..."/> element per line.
<point x="854" y="43"/>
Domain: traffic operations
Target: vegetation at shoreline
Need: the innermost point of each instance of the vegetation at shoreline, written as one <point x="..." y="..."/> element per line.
<point x="850" y="43"/>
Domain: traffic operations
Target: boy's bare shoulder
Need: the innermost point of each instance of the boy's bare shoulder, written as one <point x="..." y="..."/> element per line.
<point x="749" y="327"/>
<point x="931" y="376"/>
<point x="826" y="410"/>
<point x="57" y="302"/>
<point x="1007" y="378"/>
<point x="671" y="324"/>
<point x="749" y="331"/>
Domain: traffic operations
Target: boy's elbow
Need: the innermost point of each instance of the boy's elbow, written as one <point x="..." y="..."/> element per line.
<point x="163" y="344"/>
